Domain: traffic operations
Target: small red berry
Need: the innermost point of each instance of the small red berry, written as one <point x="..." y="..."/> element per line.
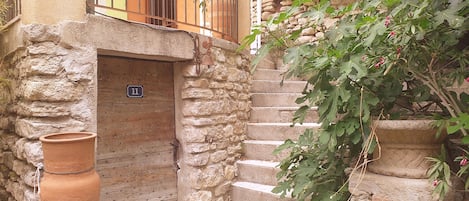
<point x="392" y="33"/>
<point x="467" y="79"/>
<point x="436" y="182"/>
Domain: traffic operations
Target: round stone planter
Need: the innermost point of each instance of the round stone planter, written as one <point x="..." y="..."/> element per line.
<point x="69" y="167"/>
<point x="399" y="170"/>
<point x="404" y="146"/>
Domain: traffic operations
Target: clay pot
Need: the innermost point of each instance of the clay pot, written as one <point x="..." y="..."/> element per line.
<point x="404" y="146"/>
<point x="69" y="167"/>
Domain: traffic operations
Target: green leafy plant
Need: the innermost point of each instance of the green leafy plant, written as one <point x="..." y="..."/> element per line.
<point x="391" y="59"/>
<point x="440" y="174"/>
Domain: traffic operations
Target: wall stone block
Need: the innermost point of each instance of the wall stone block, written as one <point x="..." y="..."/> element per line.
<point x="197" y="160"/>
<point x="41" y="33"/>
<point x="192" y="135"/>
<point x="211" y="176"/>
<point x="202" y="83"/>
<point x="25" y="171"/>
<point x="19" y="148"/>
<point x="230" y="172"/>
<point x="231" y="118"/>
<point x="222" y="144"/>
<point x="233" y="95"/>
<point x="218" y="156"/>
<point x="244" y="96"/>
<point x="239" y="88"/>
<point x="42" y="48"/>
<point x="7" y="159"/>
<point x="4" y="122"/>
<point x="222" y="189"/>
<point x="7" y="140"/>
<point x="33" y="153"/>
<point x="220" y="73"/>
<point x="81" y="110"/>
<point x="235" y="149"/>
<point x="47" y="65"/>
<point x="43" y="109"/>
<point x="199" y="196"/>
<point x="194" y="148"/>
<point x="191" y="121"/>
<point x="237" y="75"/>
<point x="51" y="90"/>
<point x="228" y="130"/>
<point x="34" y="128"/>
<point x="16" y="189"/>
<point x="192" y="71"/>
<point x="217" y="85"/>
<point x="30" y="195"/>
<point x="219" y="55"/>
<point x="192" y="93"/>
<point x="80" y="65"/>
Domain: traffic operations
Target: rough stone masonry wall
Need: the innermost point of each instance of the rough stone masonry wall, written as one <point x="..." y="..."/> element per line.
<point x="215" y="108"/>
<point x="52" y="84"/>
<point x="271" y="8"/>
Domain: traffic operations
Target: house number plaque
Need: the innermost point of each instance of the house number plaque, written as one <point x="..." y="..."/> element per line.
<point x="135" y="91"/>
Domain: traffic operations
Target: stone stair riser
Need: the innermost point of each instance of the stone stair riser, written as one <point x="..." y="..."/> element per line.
<point x="267" y="86"/>
<point x="274" y="99"/>
<point x="258" y="173"/>
<point x="263" y="152"/>
<point x="249" y="194"/>
<point x="279" y="115"/>
<point x="281" y="133"/>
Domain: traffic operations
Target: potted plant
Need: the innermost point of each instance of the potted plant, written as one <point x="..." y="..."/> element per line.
<point x="383" y="59"/>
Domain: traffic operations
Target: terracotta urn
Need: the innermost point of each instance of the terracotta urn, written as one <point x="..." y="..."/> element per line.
<point x="404" y="146"/>
<point x="69" y="167"/>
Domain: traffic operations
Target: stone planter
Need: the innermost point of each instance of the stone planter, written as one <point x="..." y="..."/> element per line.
<point x="399" y="172"/>
<point x="404" y="146"/>
<point x="69" y="167"/>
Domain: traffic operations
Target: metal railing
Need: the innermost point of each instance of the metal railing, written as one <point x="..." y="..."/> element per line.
<point x="13" y="10"/>
<point x="217" y="18"/>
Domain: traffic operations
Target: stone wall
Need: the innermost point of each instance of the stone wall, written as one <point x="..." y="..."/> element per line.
<point x="52" y="78"/>
<point x="271" y="8"/>
<point x="213" y="122"/>
<point x="52" y="90"/>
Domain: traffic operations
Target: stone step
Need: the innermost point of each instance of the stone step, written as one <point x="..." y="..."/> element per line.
<point x="270" y="74"/>
<point x="274" y="86"/>
<point x="274" y="99"/>
<point x="279" y="114"/>
<point x="256" y="171"/>
<point x="267" y="63"/>
<point x="263" y="150"/>
<point x="248" y="191"/>
<point x="277" y="131"/>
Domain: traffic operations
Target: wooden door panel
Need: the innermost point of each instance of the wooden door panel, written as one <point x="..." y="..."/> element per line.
<point x="135" y="157"/>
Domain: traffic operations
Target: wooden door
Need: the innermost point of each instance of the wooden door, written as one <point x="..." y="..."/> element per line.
<point x="135" y="156"/>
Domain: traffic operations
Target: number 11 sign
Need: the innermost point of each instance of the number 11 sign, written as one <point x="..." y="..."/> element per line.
<point x="135" y="91"/>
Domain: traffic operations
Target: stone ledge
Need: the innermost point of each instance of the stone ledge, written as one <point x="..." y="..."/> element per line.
<point x="386" y="188"/>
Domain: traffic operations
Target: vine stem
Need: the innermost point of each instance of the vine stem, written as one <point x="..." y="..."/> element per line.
<point x="447" y="100"/>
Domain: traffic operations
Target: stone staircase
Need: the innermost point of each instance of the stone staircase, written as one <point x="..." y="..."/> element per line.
<point x="272" y="112"/>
